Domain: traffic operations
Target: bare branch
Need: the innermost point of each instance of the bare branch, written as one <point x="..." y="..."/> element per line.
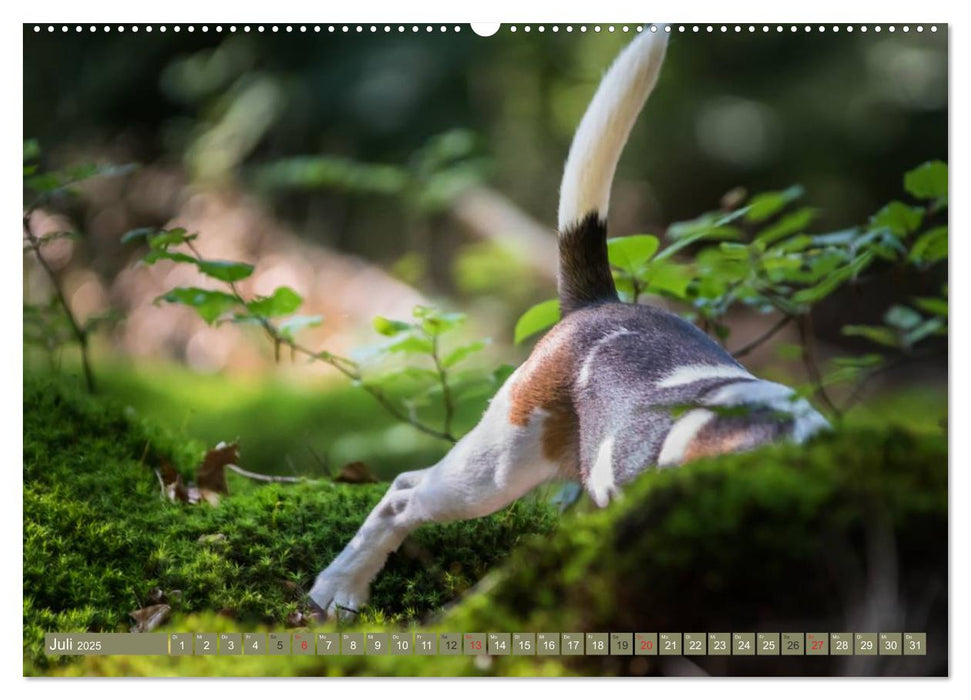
<point x="765" y="337"/>
<point x="265" y="477"/>
<point x="80" y="334"/>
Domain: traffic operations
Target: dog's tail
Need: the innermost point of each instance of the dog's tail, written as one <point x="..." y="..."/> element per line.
<point x="584" y="273"/>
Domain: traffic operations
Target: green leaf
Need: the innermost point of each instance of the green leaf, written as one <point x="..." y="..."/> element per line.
<point x="441" y="188"/>
<point x="902" y="318"/>
<point x="734" y="251"/>
<point x="669" y="279"/>
<point x="869" y="360"/>
<point x="283" y="301"/>
<point x="242" y="319"/>
<point x="930" y="247"/>
<point x="153" y="256"/>
<point x="159" y="239"/>
<point x="927" y="181"/>
<point x="410" y="345"/>
<point x="329" y="172"/>
<point x="878" y="334"/>
<point x="827" y="286"/>
<point x="224" y="270"/>
<point x="406" y="380"/>
<point x="138" y="233"/>
<point x="175" y="236"/>
<point x="925" y="329"/>
<point x="900" y="218"/>
<point x="630" y="252"/>
<point x="766" y="204"/>
<point x="932" y="305"/>
<point x="787" y="225"/>
<point x="31" y="149"/>
<point x="386" y="326"/>
<point x="208" y="303"/>
<point x="537" y="318"/>
<point x="462" y="352"/>
<point x="435" y="322"/>
<point x="43" y="183"/>
<point x="293" y="325"/>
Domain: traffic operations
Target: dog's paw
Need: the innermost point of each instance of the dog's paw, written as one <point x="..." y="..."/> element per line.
<point x="338" y="596"/>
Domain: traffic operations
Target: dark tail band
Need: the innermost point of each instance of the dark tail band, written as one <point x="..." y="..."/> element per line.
<point x="584" y="273"/>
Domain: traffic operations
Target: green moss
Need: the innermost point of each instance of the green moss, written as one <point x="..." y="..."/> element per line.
<point x="283" y="426"/>
<point x="98" y="536"/>
<point x="848" y="533"/>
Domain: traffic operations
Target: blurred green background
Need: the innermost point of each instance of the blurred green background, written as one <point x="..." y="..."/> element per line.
<point x="372" y="171"/>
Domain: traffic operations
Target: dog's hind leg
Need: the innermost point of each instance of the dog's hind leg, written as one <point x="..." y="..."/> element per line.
<point x="492" y="466"/>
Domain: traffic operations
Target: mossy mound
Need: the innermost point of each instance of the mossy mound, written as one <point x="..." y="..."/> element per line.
<point x="99" y="536"/>
<point x="846" y="534"/>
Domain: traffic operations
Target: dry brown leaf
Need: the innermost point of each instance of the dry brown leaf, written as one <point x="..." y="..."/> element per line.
<point x="147" y="619"/>
<point x="356" y="473"/>
<point x="175" y="489"/>
<point x="211" y="475"/>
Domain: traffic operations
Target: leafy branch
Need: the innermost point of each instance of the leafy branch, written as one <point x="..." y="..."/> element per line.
<point x="80" y="332"/>
<point x="421" y="337"/>
<point x="43" y="187"/>
<point x="760" y="256"/>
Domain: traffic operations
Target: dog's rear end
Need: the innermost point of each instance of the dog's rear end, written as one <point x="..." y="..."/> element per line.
<point x="610" y="391"/>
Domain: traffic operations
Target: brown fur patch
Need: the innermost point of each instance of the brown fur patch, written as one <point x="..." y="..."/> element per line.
<point x="544" y="383"/>
<point x="561" y="436"/>
<point x="711" y="442"/>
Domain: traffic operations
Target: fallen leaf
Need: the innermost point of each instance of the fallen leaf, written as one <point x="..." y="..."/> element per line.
<point x="147" y="619"/>
<point x="210" y="497"/>
<point x="212" y="539"/>
<point x="211" y="475"/>
<point x="356" y="473"/>
<point x="175" y="489"/>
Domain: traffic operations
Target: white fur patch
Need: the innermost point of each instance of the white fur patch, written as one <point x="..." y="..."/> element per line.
<point x="600" y="138"/>
<point x="600" y="482"/>
<point x="680" y="436"/>
<point x="585" y="368"/>
<point x="807" y="421"/>
<point x="689" y="374"/>
<point x="776" y="396"/>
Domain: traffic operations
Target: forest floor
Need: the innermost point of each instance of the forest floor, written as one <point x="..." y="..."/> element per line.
<point x="783" y="538"/>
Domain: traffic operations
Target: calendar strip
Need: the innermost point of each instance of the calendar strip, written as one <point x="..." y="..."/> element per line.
<point x="490" y="643"/>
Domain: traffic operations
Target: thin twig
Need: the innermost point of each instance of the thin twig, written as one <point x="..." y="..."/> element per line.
<point x="857" y="394"/>
<point x="265" y="477"/>
<point x="80" y="334"/>
<point x="750" y="346"/>
<point x="446" y="393"/>
<point x="809" y="360"/>
<point x="161" y="484"/>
